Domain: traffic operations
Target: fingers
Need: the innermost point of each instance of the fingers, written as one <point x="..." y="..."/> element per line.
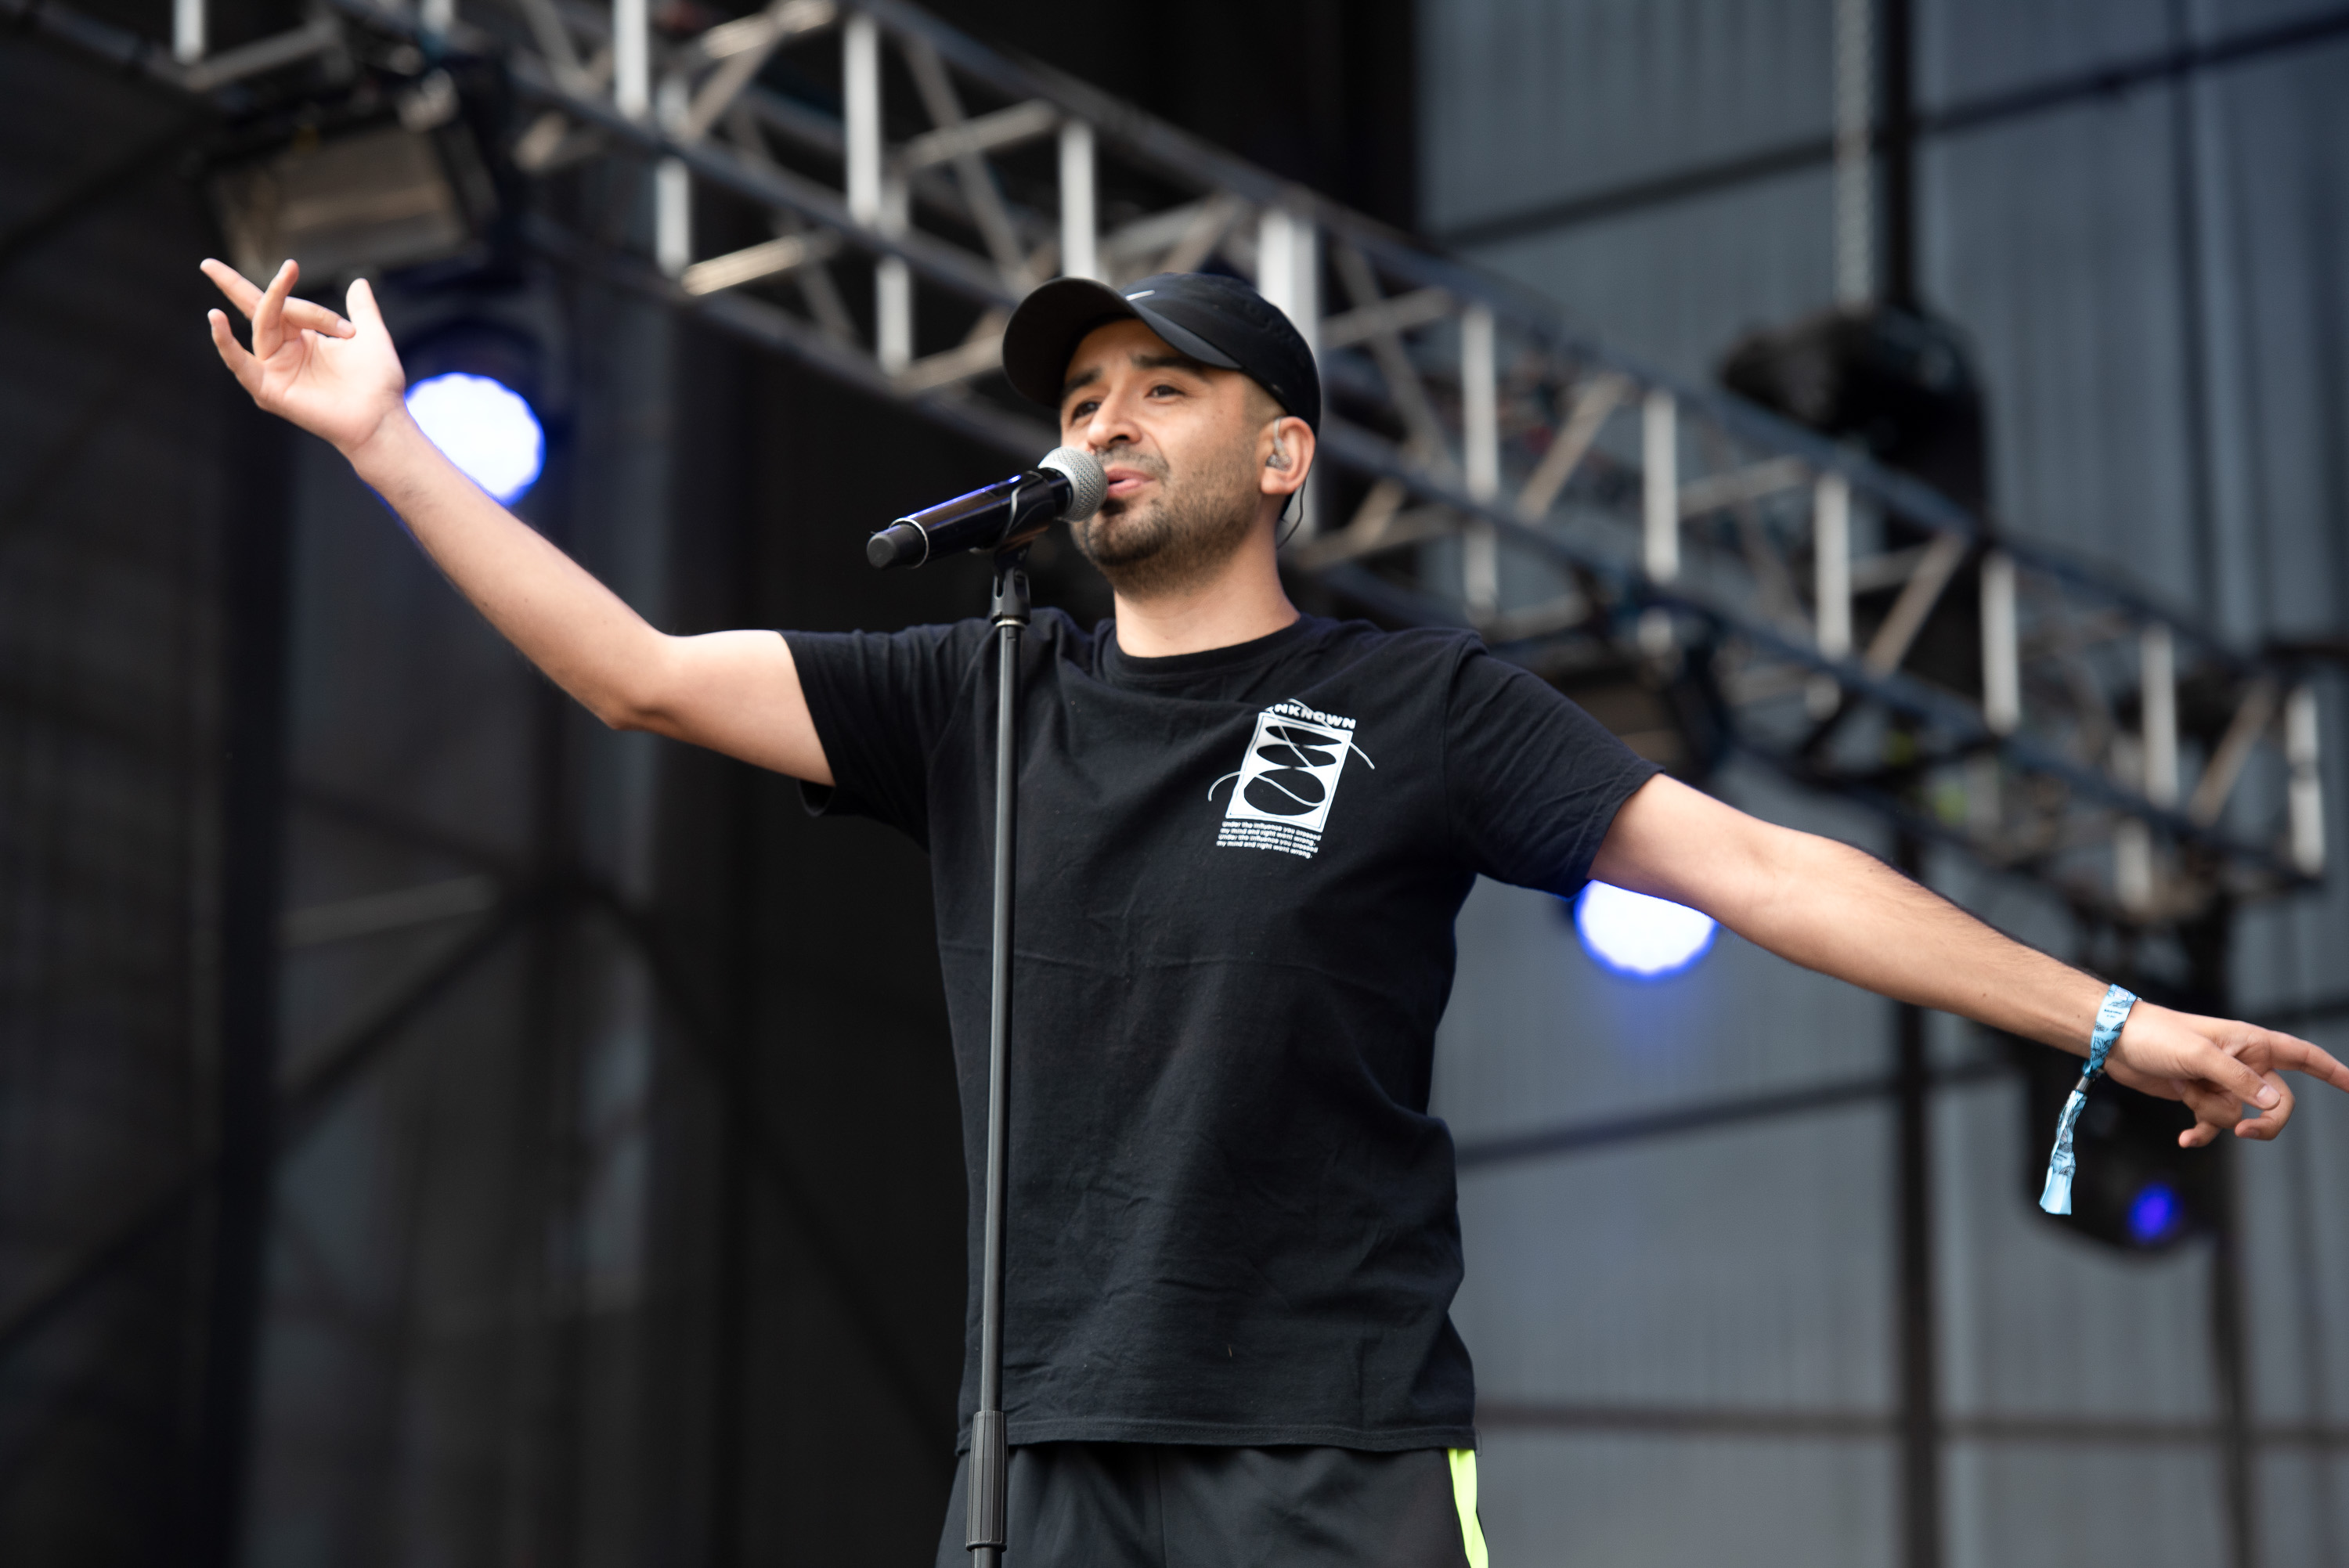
<point x="2223" y="1069"/>
<point x="269" y="315"/>
<point x="231" y="282"/>
<point x="241" y="365"/>
<point x="2217" y="1106"/>
<point x="311" y="316"/>
<point x="360" y="299"/>
<point x="2226" y="1066"/>
<point x="300" y="313"/>
<point x="2268" y="1123"/>
<point x="2226" y="1084"/>
<point x="2215" y="1110"/>
<point x="2292" y="1051"/>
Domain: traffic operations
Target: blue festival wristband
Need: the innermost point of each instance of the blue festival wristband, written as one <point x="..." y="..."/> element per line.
<point x="2056" y="1196"/>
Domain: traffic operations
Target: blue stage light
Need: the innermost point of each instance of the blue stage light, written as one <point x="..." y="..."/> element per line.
<point x="486" y="428"/>
<point x="1631" y="933"/>
<point x="2154" y="1213"/>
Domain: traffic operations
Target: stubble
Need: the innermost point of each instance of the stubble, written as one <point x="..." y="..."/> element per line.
<point x="1179" y="538"/>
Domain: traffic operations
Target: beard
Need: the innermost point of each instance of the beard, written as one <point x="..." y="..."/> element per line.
<point x="1181" y="537"/>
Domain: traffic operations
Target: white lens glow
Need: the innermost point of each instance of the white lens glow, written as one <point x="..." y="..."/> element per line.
<point x="485" y="428"/>
<point x="1631" y="933"/>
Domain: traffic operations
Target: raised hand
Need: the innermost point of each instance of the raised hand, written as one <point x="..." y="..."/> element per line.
<point x="2217" y="1065"/>
<point x="340" y="380"/>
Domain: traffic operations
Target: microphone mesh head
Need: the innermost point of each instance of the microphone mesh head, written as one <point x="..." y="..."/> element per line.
<point x="1087" y="483"/>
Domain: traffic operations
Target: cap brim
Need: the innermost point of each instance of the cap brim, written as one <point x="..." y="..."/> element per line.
<point x="1044" y="331"/>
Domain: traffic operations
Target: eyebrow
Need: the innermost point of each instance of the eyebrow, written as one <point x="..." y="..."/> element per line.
<point x="1142" y="362"/>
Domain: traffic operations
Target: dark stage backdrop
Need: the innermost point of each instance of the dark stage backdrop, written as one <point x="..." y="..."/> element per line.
<point x="1321" y="91"/>
<point x="641" y="1238"/>
<point x="433" y="1129"/>
<point x="140" y="537"/>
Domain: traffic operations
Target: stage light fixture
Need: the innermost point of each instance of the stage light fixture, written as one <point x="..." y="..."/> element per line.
<point x="2153" y="1214"/>
<point x="1645" y="938"/>
<point x="486" y="428"/>
<point x="2135" y="1189"/>
<point x="357" y="199"/>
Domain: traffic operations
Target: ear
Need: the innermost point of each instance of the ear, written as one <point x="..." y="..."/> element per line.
<point x="1285" y="456"/>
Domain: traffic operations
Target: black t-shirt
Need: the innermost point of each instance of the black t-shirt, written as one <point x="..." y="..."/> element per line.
<point x="1232" y="1219"/>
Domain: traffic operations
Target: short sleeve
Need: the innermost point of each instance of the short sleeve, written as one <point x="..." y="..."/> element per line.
<point x="882" y="701"/>
<point x="1533" y="781"/>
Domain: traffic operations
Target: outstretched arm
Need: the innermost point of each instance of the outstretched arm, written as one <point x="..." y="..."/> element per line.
<point x="735" y="692"/>
<point x="1829" y="907"/>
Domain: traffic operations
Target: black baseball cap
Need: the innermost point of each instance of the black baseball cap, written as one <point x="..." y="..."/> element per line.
<point x="1216" y="320"/>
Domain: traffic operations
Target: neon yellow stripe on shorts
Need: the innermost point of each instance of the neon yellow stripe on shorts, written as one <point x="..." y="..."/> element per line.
<point x="1463" y="1492"/>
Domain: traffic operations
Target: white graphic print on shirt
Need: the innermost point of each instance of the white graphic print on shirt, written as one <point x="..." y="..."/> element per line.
<point x="1281" y="794"/>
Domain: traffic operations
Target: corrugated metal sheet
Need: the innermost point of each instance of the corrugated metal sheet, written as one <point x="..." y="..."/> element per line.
<point x="1527" y="102"/>
<point x="1983" y="47"/>
<point x="2050" y="239"/>
<point x="2100" y="274"/>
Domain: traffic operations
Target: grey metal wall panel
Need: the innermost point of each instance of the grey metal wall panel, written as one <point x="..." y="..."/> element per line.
<point x="2033" y="1323"/>
<point x="2042" y="1506"/>
<point x="2297" y="1260"/>
<point x="2098" y="253"/>
<point x="2276" y="166"/>
<point x="1678" y="284"/>
<point x="1530" y="100"/>
<point x="1967" y="48"/>
<point x="2056" y="241"/>
<point x="1743" y="1268"/>
<point x="2050" y="240"/>
<point x="2304" y="1507"/>
<point x="2213" y="17"/>
<point x="1605" y="1502"/>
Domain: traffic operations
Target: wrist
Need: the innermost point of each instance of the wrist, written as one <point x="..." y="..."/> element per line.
<point x="384" y="445"/>
<point x="2113" y="1015"/>
<point x="2145" y="1019"/>
<point x="2065" y="1016"/>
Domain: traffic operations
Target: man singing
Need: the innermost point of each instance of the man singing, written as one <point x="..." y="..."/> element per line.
<point x="1234" y="1242"/>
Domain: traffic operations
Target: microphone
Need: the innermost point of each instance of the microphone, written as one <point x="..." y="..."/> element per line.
<point x="1068" y="484"/>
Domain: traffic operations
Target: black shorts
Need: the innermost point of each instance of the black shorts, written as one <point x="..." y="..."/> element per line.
<point x="1152" y="1505"/>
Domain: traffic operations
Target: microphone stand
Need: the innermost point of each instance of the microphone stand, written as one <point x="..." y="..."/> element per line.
<point x="990" y="1455"/>
<point x="1035" y="502"/>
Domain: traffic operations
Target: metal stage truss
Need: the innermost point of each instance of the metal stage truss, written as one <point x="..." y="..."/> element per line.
<point x="1488" y="464"/>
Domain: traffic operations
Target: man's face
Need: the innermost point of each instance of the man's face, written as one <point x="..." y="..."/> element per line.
<point x="1180" y="443"/>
